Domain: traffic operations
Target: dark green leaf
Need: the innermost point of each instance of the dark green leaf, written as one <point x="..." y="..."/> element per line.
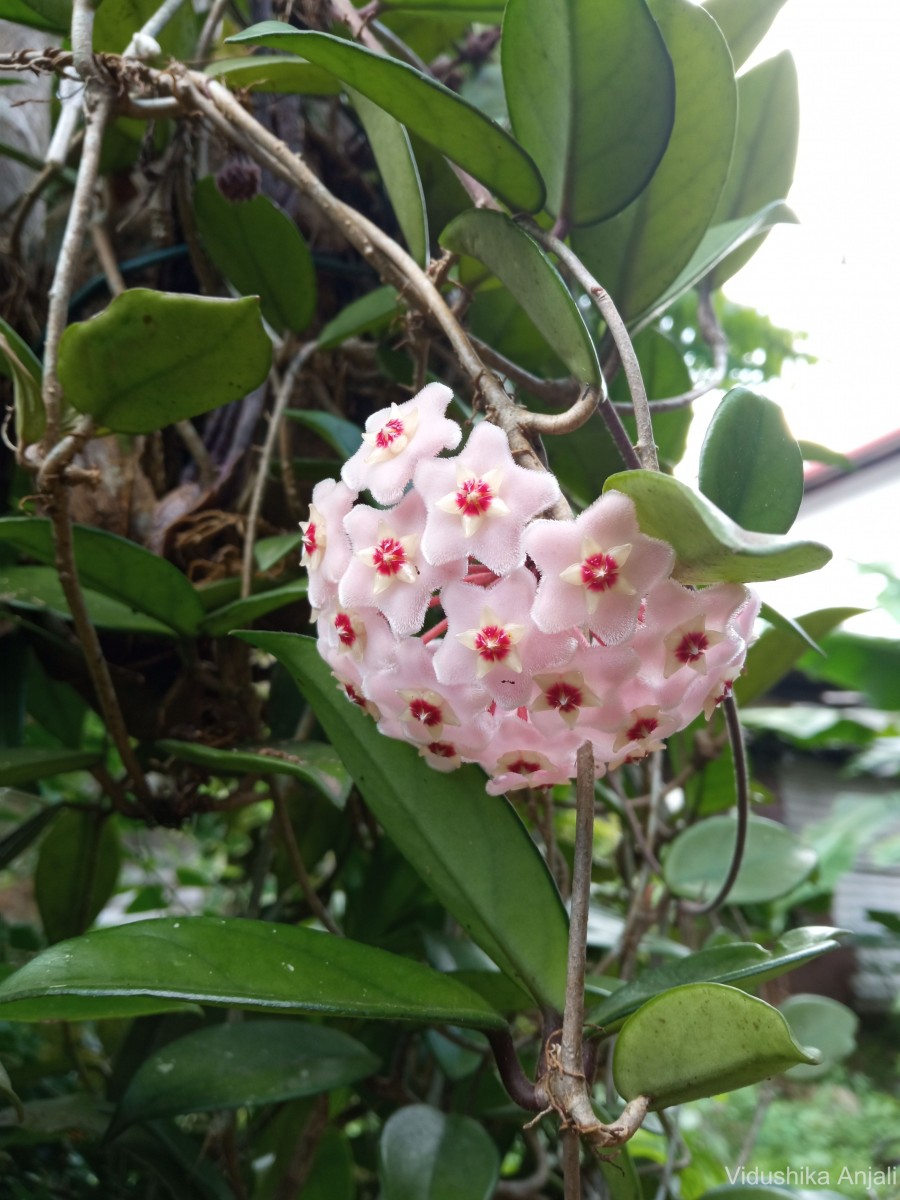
<point x="762" y="1191"/>
<point x="519" y="262"/>
<point x="260" y="250"/>
<point x="274" y="73"/>
<point x="475" y="10"/>
<point x="774" y="654"/>
<point x="315" y="762"/>
<point x="824" y="1023"/>
<point x="744" y="23"/>
<point x="240" y="964"/>
<point x="866" y="664"/>
<point x="473" y="851"/>
<point x="241" y="613"/>
<point x="77" y="871"/>
<point x="708" y="546"/>
<point x="248" y="1063"/>
<point x="750" y="464"/>
<point x="700" y="1040"/>
<point x="341" y="435"/>
<point x="737" y="963"/>
<point x="427" y="1155"/>
<point x="718" y="242"/>
<point x="775" y="861"/>
<point x="765" y="148"/>
<point x="117" y="21"/>
<point x="373" y="311"/>
<point x="49" y="16"/>
<point x="788" y="625"/>
<point x="591" y="95"/>
<point x="639" y="254"/>
<point x="14" y="843"/>
<point x="117" y="567"/>
<point x="169" y="1157"/>
<point x="25" y="764"/>
<point x="426" y="107"/>
<point x="399" y="173"/>
<point x="40" y="588"/>
<point x="152" y="358"/>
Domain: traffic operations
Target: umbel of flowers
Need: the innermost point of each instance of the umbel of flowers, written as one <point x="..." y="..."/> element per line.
<point x="463" y="623"/>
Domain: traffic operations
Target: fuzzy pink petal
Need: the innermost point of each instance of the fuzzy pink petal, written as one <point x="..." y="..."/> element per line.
<point x="333" y="501"/>
<point x="519" y="755"/>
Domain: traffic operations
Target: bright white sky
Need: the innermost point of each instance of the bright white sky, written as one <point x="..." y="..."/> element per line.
<point x="835" y="275"/>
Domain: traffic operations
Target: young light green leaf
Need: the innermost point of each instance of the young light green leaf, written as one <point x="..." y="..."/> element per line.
<point x="399" y="172"/>
<point x="241" y="613"/>
<point x="824" y="1023"/>
<point x="423" y="105"/>
<point x="815" y="452"/>
<point x="591" y="95"/>
<point x="271" y="550"/>
<point x="252" y="965"/>
<point x="260" y="250"/>
<point x="788" y="625"/>
<point x="639" y="253"/>
<point x="236" y="1064"/>
<point x="725" y="1040"/>
<point x="775" y="861"/>
<point x="750" y="464"/>
<point x="283" y="73"/>
<point x="520" y="263"/>
<point x="772" y="656"/>
<point x="77" y="870"/>
<point x="49" y="16"/>
<point x="475" y="855"/>
<point x="709" y="547"/>
<point x="373" y="311"/>
<point x="341" y="435"/>
<point x="765" y="149"/>
<point x="426" y="1154"/>
<point x="744" y="23"/>
<point x="315" y="762"/>
<point x="738" y="963"/>
<point x="153" y="358"/>
<point x="25" y="764"/>
<point x="18" y="363"/>
<point x="116" y="567"/>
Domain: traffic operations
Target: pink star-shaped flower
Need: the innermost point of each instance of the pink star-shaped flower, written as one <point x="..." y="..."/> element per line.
<point x="587" y="693"/>
<point x="397" y="439"/>
<point x="595" y="569"/>
<point x="479" y="502"/>
<point x="491" y="639"/>
<point x="325" y="548"/>
<point x="387" y="570"/>
<point x="519" y="755"/>
<point x="361" y="634"/>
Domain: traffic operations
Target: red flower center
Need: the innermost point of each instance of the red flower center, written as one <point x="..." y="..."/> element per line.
<point x="493" y="643"/>
<point x="524" y="766"/>
<point x="564" y="696"/>
<point x="692" y="646"/>
<point x="442" y="749"/>
<point x="388" y="556"/>
<point x="345" y="631"/>
<point x="427" y="714"/>
<point x="354" y="695"/>
<point x="388" y="433"/>
<point x="310" y="544"/>
<point x="599" y="573"/>
<point x="642" y="728"/>
<point x="473" y="498"/>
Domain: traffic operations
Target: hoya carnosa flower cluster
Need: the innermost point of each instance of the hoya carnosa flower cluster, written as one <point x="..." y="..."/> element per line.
<point x="465" y="624"/>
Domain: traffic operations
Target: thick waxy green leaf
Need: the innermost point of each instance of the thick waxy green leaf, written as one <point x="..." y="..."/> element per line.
<point x="762" y="1191"/>
<point x="77" y="871"/>
<point x="750" y="465"/>
<point x="426" y="1154"/>
<point x="20" y="838"/>
<point x="240" y="964"/>
<point x="274" y="73"/>
<point x="519" y="262"/>
<point x="771" y="657"/>
<point x="40" y="588"/>
<point x="708" y="545"/>
<point x="426" y="107"/>
<point x="591" y="95"/>
<point x="315" y="762"/>
<point x="824" y="1023"/>
<point x="232" y="1065"/>
<point x="269" y="551"/>
<point x="473" y="851"/>
<point x="738" y="963"/>
<point x="373" y="311"/>
<point x="260" y="250"/>
<point x="152" y="358"/>
<point x="639" y="253"/>
<point x="341" y="435"/>
<point x="24" y="764"/>
<point x="399" y="173"/>
<point x="815" y="452"/>
<point x="241" y="613"/>
<point x="699" y="1040"/>
<point x="775" y="861"/>
<point x="50" y="16"/>
<point x="744" y="23"/>
<point x="117" y="567"/>
<point x="788" y="625"/>
<point x="117" y="21"/>
<point x="765" y="149"/>
<point x="865" y="664"/>
<point x="18" y="363"/>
